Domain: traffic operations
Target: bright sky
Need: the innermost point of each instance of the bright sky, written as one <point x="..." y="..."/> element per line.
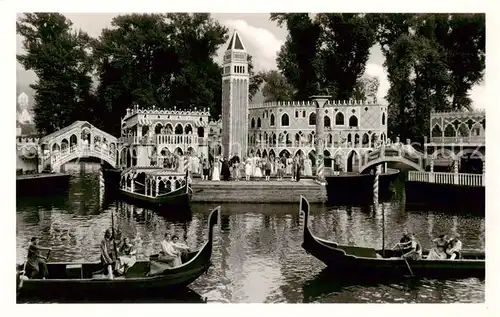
<point x="262" y="38"/>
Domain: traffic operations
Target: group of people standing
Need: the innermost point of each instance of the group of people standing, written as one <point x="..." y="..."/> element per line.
<point x="254" y="167"/>
<point x="446" y="248"/>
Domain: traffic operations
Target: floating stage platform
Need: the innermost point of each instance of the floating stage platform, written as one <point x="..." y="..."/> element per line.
<point x="258" y="191"/>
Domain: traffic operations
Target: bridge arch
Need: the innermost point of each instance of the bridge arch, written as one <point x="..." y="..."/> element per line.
<point x="391" y="154"/>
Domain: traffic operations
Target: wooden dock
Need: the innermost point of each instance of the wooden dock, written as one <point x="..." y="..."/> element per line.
<point x="258" y="191"/>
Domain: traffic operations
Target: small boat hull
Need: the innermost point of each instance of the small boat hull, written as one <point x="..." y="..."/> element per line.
<point x="80" y="279"/>
<point x="178" y="198"/>
<point x="367" y="262"/>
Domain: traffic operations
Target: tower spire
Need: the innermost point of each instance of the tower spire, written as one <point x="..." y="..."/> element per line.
<point x="236" y="43"/>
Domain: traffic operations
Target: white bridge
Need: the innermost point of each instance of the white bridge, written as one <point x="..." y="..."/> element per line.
<point x="404" y="154"/>
<point x="76" y="141"/>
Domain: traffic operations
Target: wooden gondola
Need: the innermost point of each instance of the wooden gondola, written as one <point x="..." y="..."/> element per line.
<point x="80" y="279"/>
<point x="354" y="261"/>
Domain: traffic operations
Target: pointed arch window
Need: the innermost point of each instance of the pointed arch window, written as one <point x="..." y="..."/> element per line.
<point x="285" y="120"/>
<point x="312" y="119"/>
<point x="339" y="119"/>
<point x="272" y="120"/>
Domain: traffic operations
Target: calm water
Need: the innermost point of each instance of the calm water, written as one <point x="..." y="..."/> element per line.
<point x="257" y="255"/>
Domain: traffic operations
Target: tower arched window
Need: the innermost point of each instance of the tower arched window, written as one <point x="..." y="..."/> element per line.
<point x="327" y="122"/>
<point x="383" y="118"/>
<point x="353" y="121"/>
<point x="258" y="123"/>
<point x="312" y="119"/>
<point x="339" y="119"/>
<point x="252" y="124"/>
<point x="272" y="120"/>
<point x="285" y="120"/>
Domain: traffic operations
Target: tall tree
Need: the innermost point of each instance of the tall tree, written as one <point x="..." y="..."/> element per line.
<point x="366" y="89"/>
<point x="60" y="57"/>
<point x="160" y="60"/>
<point x="276" y="87"/>
<point x="433" y="60"/>
<point x="297" y="59"/>
<point x="256" y="79"/>
<point x="346" y="39"/>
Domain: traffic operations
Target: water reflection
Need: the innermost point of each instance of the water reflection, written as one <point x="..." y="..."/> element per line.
<point x="257" y="249"/>
<point x="181" y="296"/>
<point x="324" y="287"/>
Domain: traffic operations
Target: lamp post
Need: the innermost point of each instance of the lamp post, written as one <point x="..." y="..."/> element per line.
<point x="320" y="101"/>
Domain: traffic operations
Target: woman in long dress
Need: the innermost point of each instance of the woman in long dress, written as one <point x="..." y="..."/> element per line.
<point x="258" y="170"/>
<point x="289" y="162"/>
<point x="307" y="167"/>
<point x="248" y="168"/>
<point x="127" y="258"/>
<point x="216" y="171"/>
<point x="438" y="252"/>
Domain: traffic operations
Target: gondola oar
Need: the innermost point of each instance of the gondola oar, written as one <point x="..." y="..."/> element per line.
<point x="406" y="261"/>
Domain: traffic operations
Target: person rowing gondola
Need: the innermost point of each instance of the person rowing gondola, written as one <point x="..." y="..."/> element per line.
<point x="409" y="247"/>
<point x="36" y="264"/>
<point x="108" y="254"/>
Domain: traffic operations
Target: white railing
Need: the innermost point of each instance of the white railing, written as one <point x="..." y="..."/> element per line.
<point x="458" y="139"/>
<point x="137" y="140"/>
<point x="58" y="158"/>
<point x="463" y="179"/>
<point x="191" y="139"/>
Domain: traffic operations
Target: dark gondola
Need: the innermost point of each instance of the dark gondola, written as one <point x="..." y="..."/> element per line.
<point x="353" y="261"/>
<point x="79" y="279"/>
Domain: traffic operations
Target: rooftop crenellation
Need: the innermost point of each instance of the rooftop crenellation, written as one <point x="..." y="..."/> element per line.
<point x="481" y="111"/>
<point x="310" y="103"/>
<point x="154" y="111"/>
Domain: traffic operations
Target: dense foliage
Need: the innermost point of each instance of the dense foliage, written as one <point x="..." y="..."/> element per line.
<point x="432" y="60"/>
<point x="167" y="60"/>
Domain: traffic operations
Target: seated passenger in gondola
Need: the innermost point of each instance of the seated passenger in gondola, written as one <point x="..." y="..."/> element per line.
<point x="127" y="257"/>
<point x="438" y="252"/>
<point x="168" y="253"/>
<point x="414" y="249"/>
<point x="453" y="249"/>
<point x="36" y="265"/>
<point x="404" y="245"/>
<point x="180" y="248"/>
<point x="108" y="256"/>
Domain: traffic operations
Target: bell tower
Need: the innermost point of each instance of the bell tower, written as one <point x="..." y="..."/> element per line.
<point x="235" y="81"/>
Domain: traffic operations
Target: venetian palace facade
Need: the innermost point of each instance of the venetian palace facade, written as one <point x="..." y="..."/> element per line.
<point x="352" y="128"/>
